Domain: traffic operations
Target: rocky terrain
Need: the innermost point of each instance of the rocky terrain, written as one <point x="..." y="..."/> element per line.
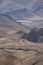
<point x="15" y="50"/>
<point x="35" y="35"/>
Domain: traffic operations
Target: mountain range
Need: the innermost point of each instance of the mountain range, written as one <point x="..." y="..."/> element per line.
<point x="25" y="9"/>
<point x="8" y="24"/>
<point x="20" y="44"/>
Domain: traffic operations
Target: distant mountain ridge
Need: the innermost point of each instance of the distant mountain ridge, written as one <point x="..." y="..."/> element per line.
<point x="14" y="6"/>
<point x="8" y="24"/>
<point x="22" y="14"/>
<point x="38" y="8"/>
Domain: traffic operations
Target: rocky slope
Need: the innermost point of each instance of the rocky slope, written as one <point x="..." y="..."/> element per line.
<point x="35" y="35"/>
<point x="15" y="50"/>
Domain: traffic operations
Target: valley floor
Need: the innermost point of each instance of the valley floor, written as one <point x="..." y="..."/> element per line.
<point x="16" y="51"/>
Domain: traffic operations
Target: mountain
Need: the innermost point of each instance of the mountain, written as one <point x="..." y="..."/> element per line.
<point x="7" y="23"/>
<point x="35" y="35"/>
<point x="22" y="14"/>
<point x="31" y="10"/>
<point x="37" y="8"/>
<point x="19" y="4"/>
